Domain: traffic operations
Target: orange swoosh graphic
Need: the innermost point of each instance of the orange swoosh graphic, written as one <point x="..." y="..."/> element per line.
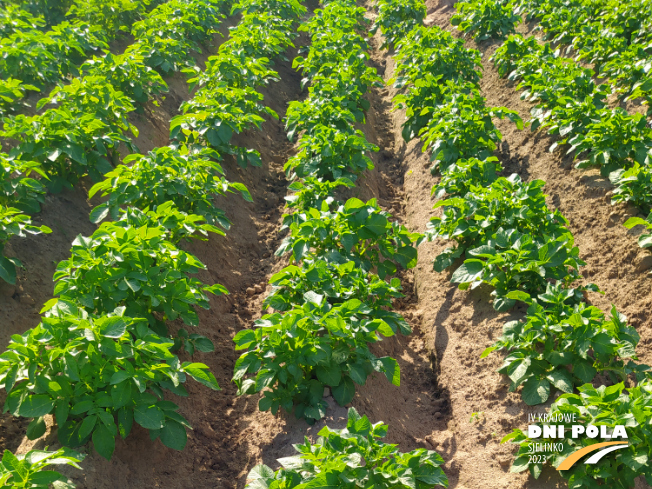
<point x="574" y="457"/>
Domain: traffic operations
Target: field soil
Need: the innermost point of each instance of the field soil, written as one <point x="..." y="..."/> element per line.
<point x="449" y="400"/>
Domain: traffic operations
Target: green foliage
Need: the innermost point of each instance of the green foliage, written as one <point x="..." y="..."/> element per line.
<point x="563" y="343"/>
<point x="311" y="192"/>
<point x="356" y="231"/>
<point x="434" y="51"/>
<point x="113" y="16"/>
<point x="14" y="223"/>
<point x="19" y="193"/>
<point x="36" y="57"/>
<point x="336" y="282"/>
<point x="462" y="127"/>
<point x="14" y="18"/>
<point x="26" y="471"/>
<point x="133" y="265"/>
<point x="615" y="140"/>
<point x="612" y="36"/>
<point x="52" y="11"/>
<point x="188" y="178"/>
<point x="287" y="9"/>
<point x="128" y="74"/>
<point x="353" y="457"/>
<point x="178" y="19"/>
<point x="571" y="106"/>
<point x="486" y="19"/>
<point x="633" y="185"/>
<point x="462" y="175"/>
<point x="217" y="112"/>
<point x="71" y="141"/>
<point x="330" y="305"/>
<point x="11" y="92"/>
<point x="602" y="406"/>
<point x="331" y="154"/>
<point x="173" y="30"/>
<point x="97" y="375"/>
<point x="292" y="357"/>
<point x="645" y="239"/>
<point x="17" y="187"/>
<point x="510" y="238"/>
<point x="396" y="19"/>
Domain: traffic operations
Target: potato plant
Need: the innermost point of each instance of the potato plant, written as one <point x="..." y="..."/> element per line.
<point x="356" y="231"/>
<point x="187" y="177"/>
<point x="486" y="19"/>
<point x="331" y="303"/>
<point x="563" y="343"/>
<point x="608" y="406"/>
<point x="27" y="471"/>
<point x="354" y="456"/>
<point x="97" y="374"/>
<point x="134" y="266"/>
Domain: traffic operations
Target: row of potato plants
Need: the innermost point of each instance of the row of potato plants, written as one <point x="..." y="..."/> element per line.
<point x="506" y="237"/>
<point x="333" y="300"/>
<point x="569" y="103"/>
<point x="61" y="128"/>
<point x="613" y="37"/>
<point x="51" y="12"/>
<point x="102" y="356"/>
<point x="83" y="132"/>
<point x="34" y="53"/>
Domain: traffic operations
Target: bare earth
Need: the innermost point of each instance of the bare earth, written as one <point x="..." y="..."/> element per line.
<point x="443" y="380"/>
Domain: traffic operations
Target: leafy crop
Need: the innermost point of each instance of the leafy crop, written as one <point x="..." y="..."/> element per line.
<point x="36" y="57"/>
<point x="11" y="92"/>
<point x="26" y="471"/>
<point x="356" y="457"/>
<point x="396" y="19"/>
<point x="135" y="267"/>
<point x="563" y="342"/>
<point x="14" y="18"/>
<point x="102" y="350"/>
<point x="102" y="356"/>
<point x="215" y="114"/>
<point x="460" y="176"/>
<point x="14" y="223"/>
<point x="129" y="74"/>
<point x="485" y="18"/>
<point x="17" y="187"/>
<point x="297" y="354"/>
<point x="602" y="406"/>
<point x="570" y="105"/>
<point x="19" y="193"/>
<point x="69" y="142"/>
<point x="524" y="250"/>
<point x="337" y="282"/>
<point x="511" y="240"/>
<point x="331" y="302"/>
<point x="113" y="16"/>
<point x="435" y="52"/>
<point x="90" y="371"/>
<point x="190" y="179"/>
<point x="645" y="239"/>
<point x="356" y="231"/>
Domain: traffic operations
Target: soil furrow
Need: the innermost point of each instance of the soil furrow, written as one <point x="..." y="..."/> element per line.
<point x="459" y="325"/>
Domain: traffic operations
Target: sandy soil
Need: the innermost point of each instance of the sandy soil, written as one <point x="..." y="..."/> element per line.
<point x="459" y="325"/>
<point x="443" y="380"/>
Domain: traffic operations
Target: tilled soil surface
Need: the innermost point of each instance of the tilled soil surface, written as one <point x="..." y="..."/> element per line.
<point x="459" y="325"/>
<point x="449" y="399"/>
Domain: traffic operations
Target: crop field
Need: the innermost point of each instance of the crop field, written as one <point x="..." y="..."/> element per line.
<point x="275" y="244"/>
